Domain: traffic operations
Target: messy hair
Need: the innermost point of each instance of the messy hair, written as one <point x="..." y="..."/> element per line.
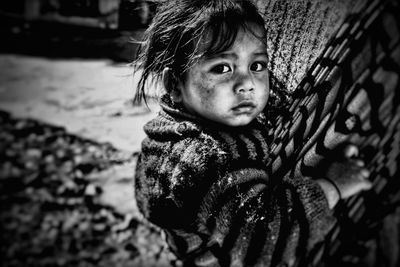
<point x="172" y="40"/>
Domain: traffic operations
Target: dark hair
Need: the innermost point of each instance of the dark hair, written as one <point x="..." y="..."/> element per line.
<point x="172" y="40"/>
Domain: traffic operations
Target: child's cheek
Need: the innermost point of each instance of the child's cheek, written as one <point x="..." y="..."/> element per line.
<point x="262" y="77"/>
<point x="263" y="81"/>
<point x="206" y="89"/>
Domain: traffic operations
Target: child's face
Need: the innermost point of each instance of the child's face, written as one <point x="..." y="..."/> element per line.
<point x="232" y="87"/>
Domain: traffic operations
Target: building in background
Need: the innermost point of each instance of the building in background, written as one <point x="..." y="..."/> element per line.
<point x="75" y="28"/>
<point x="115" y="14"/>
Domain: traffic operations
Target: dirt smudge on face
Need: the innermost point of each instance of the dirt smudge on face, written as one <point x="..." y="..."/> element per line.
<point x="207" y="88"/>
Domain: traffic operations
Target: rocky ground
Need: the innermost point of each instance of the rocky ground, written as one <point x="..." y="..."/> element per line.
<point x="56" y="208"/>
<point x="69" y="139"/>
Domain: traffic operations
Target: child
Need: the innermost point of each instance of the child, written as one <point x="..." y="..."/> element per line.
<point x="202" y="175"/>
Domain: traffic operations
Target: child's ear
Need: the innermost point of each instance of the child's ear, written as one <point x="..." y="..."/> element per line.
<point x="174" y="89"/>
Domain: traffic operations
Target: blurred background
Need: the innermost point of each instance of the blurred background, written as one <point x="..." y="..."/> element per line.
<point x="69" y="135"/>
<point x="84" y="28"/>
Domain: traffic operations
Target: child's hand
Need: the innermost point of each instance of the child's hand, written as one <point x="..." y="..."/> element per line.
<point x="346" y="177"/>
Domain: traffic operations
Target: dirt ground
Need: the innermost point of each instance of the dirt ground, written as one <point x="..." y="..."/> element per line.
<point x="90" y="98"/>
<point x="69" y="138"/>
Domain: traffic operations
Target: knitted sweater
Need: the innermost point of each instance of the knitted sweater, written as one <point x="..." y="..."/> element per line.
<point x="208" y="187"/>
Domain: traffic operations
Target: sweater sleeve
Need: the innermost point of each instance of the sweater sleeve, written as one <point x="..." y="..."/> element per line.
<point x="231" y="217"/>
<point x="242" y="220"/>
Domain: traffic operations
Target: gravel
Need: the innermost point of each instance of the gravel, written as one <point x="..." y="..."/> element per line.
<point x="50" y="211"/>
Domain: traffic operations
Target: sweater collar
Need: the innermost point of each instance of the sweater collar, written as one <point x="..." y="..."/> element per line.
<point x="242" y="143"/>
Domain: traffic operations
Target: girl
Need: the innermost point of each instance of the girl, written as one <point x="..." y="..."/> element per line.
<point x="202" y="173"/>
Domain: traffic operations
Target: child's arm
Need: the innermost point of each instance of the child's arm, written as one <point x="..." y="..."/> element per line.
<point x="212" y="215"/>
<point x="345" y="178"/>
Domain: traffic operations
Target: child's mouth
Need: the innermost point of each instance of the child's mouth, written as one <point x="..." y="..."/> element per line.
<point x="244" y="107"/>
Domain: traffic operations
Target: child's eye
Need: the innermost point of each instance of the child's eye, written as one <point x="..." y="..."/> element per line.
<point x="258" y="66"/>
<point x="221" y="68"/>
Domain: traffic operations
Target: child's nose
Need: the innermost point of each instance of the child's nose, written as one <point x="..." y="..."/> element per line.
<point x="243" y="90"/>
<point x="244" y="83"/>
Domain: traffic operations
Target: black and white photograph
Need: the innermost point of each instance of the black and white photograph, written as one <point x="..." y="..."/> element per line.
<point x="180" y="133"/>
